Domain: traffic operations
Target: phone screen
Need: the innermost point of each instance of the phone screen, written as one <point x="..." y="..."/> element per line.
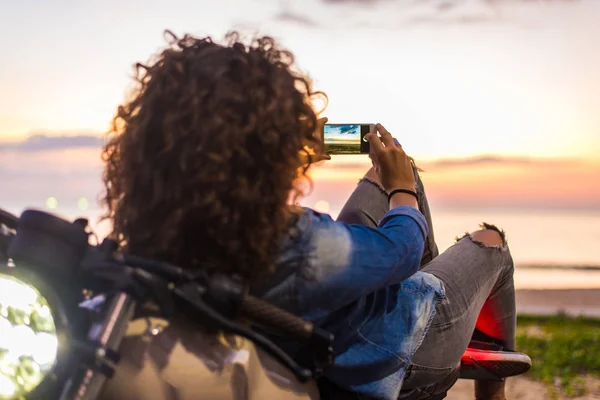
<point x="346" y="138"/>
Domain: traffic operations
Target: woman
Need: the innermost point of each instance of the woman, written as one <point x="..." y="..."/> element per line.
<point x="199" y="172"/>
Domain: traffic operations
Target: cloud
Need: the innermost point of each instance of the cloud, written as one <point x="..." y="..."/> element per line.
<point x="484" y="160"/>
<point x="446" y="5"/>
<point x="449" y="12"/>
<point x="490" y="160"/>
<point x="364" y="2"/>
<point x="500" y="2"/>
<point x="419" y="12"/>
<point x="28" y="177"/>
<point x="289" y="16"/>
<point x="43" y="161"/>
<point x="354" y="163"/>
<point x="493" y="183"/>
<point x="456" y="20"/>
<point x="31" y="171"/>
<point x="43" y="142"/>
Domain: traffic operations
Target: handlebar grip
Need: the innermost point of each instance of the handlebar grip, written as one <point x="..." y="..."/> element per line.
<point x="271" y="316"/>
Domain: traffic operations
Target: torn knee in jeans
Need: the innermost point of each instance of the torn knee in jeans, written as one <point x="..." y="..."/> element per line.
<point x="481" y="241"/>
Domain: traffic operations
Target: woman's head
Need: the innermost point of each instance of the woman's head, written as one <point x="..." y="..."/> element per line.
<point x="204" y="154"/>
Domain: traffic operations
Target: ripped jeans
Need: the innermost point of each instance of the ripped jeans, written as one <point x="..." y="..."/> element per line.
<point x="479" y="287"/>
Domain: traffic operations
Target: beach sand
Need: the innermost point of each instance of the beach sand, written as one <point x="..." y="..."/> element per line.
<point x="570" y="301"/>
<point x="520" y="388"/>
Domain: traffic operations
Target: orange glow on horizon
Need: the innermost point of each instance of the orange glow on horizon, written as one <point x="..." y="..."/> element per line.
<point x="553" y="182"/>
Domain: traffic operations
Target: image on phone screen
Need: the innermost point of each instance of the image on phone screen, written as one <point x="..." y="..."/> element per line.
<point x="346" y="138"/>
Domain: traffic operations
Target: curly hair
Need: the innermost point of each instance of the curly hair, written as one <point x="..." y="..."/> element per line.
<point x="201" y="160"/>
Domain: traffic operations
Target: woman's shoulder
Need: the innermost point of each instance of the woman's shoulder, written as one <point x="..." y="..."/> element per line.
<point x="304" y="220"/>
<point x="299" y="248"/>
<point x="311" y="214"/>
<point x="308" y="226"/>
<point x="315" y="241"/>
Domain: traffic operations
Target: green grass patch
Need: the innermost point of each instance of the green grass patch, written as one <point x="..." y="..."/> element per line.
<point x="563" y="350"/>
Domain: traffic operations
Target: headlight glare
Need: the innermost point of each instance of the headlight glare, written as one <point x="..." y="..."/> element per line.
<point x="28" y="342"/>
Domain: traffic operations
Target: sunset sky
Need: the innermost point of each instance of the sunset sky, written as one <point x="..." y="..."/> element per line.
<point x="514" y="80"/>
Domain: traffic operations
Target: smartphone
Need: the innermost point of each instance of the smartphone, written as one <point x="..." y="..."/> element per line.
<point x="347" y="138"/>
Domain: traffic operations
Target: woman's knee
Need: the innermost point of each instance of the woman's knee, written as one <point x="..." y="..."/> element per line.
<point x="489" y="235"/>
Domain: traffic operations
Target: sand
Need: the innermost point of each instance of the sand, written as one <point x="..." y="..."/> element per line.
<point x="571" y="301"/>
<point x="520" y="388"/>
<point x="545" y="302"/>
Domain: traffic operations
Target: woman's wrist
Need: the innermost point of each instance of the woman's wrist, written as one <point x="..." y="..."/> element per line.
<point x="403" y="197"/>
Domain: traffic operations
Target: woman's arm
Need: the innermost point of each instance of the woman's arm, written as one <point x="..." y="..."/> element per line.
<point x="346" y="262"/>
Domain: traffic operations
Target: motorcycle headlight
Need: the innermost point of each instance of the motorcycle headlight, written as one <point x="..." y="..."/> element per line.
<point x="28" y="337"/>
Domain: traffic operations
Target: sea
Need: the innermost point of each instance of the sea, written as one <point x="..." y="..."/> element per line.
<point x="552" y="249"/>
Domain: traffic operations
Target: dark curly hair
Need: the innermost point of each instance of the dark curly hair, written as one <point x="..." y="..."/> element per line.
<point x="202" y="158"/>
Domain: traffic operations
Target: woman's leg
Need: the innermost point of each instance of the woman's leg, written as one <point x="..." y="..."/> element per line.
<point x="477" y="273"/>
<point x="478" y="276"/>
<point x="369" y="202"/>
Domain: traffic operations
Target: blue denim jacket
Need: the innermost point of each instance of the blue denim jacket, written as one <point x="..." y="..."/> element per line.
<point x="361" y="284"/>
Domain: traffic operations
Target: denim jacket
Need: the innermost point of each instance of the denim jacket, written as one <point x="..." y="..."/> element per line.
<point x="363" y="285"/>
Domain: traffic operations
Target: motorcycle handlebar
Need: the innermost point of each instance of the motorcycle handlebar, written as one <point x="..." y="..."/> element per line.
<point x="232" y="295"/>
<point x="224" y="289"/>
<point x="273" y="317"/>
<point x="8" y="219"/>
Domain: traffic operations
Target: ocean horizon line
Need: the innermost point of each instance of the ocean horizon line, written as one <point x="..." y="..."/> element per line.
<point x="548" y="266"/>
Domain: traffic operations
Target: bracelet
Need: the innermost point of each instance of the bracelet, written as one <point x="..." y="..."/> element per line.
<point x="407" y="191"/>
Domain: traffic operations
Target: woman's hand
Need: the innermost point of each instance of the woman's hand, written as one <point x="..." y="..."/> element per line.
<point x="394" y="168"/>
<point x="316" y="153"/>
<point x="319" y="135"/>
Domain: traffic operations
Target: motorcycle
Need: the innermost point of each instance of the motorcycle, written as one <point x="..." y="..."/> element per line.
<point x="101" y="324"/>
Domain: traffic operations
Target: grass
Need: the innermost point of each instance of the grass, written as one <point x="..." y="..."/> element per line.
<point x="563" y="350"/>
<point x="343" y="148"/>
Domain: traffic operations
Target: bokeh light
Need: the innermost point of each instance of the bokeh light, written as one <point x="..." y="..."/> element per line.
<point x="83" y="204"/>
<point x="322" y="206"/>
<point x="51" y="203"/>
